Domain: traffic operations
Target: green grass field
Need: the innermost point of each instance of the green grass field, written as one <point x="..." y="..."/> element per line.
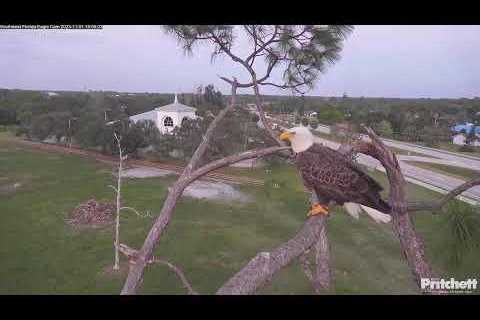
<point x="40" y="253"/>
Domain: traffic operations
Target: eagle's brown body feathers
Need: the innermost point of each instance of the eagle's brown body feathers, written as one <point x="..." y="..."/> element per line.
<point x="335" y="178"/>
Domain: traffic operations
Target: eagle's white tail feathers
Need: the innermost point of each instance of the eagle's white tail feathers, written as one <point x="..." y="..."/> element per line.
<point x="376" y="215"/>
<point x="353" y="209"/>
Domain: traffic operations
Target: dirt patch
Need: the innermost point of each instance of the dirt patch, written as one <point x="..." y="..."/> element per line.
<point x="92" y="213"/>
<point x="215" y="191"/>
<point x="145" y="172"/>
<point x="199" y="189"/>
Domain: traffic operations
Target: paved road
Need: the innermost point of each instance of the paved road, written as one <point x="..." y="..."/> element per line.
<point x="461" y="160"/>
<point x="426" y="178"/>
<point x="403" y="157"/>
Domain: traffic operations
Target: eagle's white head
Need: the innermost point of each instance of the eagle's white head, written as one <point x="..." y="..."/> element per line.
<point x="300" y="137"/>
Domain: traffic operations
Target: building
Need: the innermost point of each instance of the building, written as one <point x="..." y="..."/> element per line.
<point x="459" y="139"/>
<point x="167" y="117"/>
<point x="461" y="131"/>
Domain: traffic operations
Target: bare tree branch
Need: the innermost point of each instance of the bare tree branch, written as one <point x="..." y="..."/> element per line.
<point x="264" y="265"/>
<point x="436" y="205"/>
<point x="136" y="273"/>
<point x="179" y="274"/>
<point x="224" y="48"/>
<point x="410" y="242"/>
<point x="433" y="206"/>
<point x="320" y="277"/>
<point x="270" y="67"/>
<point x="307" y="270"/>
<point x="323" y="277"/>
<point x="261" y="269"/>
<point x="200" y="151"/>
<point x="263" y="46"/>
<point x="147" y="214"/>
<point x="116" y="265"/>
<point x="282" y="86"/>
<point x="132" y="255"/>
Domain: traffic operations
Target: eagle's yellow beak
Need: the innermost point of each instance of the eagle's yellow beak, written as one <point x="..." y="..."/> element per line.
<point x="286" y="135"/>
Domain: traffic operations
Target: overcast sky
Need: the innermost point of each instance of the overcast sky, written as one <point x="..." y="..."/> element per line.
<point x="388" y="61"/>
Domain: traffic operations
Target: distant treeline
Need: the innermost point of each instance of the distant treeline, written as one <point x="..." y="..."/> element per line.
<point x="41" y="113"/>
<point x="82" y="118"/>
<point x="417" y="120"/>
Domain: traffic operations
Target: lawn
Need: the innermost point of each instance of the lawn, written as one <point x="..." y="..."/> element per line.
<point x="457" y="172"/>
<point x="448" y="146"/>
<point x="209" y="240"/>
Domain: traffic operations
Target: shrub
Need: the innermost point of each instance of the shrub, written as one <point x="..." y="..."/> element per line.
<point x="20" y="131"/>
<point x="463" y="223"/>
<point x="384" y="129"/>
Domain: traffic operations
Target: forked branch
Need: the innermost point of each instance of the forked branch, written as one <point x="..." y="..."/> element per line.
<point x="261" y="269"/>
<point x="132" y="256"/>
<point x="411" y="243"/>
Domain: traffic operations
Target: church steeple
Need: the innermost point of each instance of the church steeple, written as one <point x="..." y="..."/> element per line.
<point x="176" y="99"/>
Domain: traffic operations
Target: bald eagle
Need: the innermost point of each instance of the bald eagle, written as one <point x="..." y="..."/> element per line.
<point x="332" y="176"/>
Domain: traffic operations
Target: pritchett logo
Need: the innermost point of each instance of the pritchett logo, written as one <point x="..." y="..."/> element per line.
<point x="452" y="285"/>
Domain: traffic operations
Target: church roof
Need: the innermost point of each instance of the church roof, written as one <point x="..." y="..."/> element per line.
<point x="176" y="107"/>
<point x="149" y="115"/>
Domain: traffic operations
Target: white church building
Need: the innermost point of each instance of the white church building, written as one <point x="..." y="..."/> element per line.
<point x="167" y="117"/>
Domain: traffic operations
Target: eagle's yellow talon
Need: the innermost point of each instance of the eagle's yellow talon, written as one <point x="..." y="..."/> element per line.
<point x="317" y="208"/>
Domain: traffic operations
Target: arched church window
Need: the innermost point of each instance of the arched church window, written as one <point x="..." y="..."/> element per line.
<point x="168" y="122"/>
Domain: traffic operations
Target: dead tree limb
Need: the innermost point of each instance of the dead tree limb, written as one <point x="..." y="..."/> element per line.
<point x="188" y="176"/>
<point x="320" y="277"/>
<point x="175" y="192"/>
<point x="435" y="206"/>
<point x="116" y="265"/>
<point x="264" y="265"/>
<point x="410" y="242"/>
<point x="221" y="36"/>
<point x="136" y="273"/>
<point x="179" y="274"/>
<point x="323" y="274"/>
<point x="132" y="256"/>
<point x="307" y="268"/>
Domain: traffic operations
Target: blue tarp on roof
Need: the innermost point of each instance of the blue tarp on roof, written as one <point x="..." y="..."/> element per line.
<point x="467" y="127"/>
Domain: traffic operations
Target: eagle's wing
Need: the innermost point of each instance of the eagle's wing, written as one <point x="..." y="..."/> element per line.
<point x="334" y="177"/>
<point x="338" y="157"/>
